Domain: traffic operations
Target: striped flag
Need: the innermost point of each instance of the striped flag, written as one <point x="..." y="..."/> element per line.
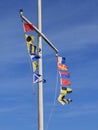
<point x="64" y="74"/>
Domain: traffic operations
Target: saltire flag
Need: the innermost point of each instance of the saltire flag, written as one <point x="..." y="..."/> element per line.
<point x="62" y="67"/>
<point x="36" y="78"/>
<point x="61" y="60"/>
<point x="65" y="82"/>
<point x="64" y="74"/>
<point x="28" y="27"/>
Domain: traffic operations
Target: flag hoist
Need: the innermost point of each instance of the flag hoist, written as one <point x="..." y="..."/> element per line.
<point x="35" y="54"/>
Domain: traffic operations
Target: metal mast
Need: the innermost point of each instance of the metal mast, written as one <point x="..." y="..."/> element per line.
<point x="40" y="84"/>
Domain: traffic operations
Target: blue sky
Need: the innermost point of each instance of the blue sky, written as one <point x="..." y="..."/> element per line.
<point x="72" y="26"/>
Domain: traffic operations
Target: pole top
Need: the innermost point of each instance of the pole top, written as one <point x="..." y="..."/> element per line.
<point x="21" y="12"/>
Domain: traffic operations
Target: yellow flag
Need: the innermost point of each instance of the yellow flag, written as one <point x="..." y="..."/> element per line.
<point x="61" y="97"/>
<point x="35" y="65"/>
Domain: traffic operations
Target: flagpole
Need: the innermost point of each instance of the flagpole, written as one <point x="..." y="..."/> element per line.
<point x="40" y="84"/>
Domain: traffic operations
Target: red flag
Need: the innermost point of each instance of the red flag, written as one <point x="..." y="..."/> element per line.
<point x="28" y="27"/>
<point x="65" y="82"/>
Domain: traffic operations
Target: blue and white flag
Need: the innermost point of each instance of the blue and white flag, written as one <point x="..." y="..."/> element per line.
<point x="61" y="60"/>
<point x="36" y="78"/>
<point x="34" y="57"/>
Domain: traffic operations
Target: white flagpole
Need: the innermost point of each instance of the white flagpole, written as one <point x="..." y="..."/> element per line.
<point x="40" y="84"/>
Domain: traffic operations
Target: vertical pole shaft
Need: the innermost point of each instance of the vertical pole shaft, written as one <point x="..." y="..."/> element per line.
<point x="40" y="84"/>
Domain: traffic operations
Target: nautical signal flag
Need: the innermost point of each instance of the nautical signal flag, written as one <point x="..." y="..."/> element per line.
<point x="65" y="82"/>
<point x="29" y="39"/>
<point x="62" y="67"/>
<point x="30" y="43"/>
<point x="28" y="27"/>
<point x="64" y="74"/>
<point x="32" y="49"/>
<point x="36" y="78"/>
<point x="61" y="97"/>
<point x="35" y="65"/>
<point x="34" y="57"/>
<point x="61" y="60"/>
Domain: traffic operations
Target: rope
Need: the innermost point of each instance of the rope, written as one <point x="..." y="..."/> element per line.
<point x="54" y="103"/>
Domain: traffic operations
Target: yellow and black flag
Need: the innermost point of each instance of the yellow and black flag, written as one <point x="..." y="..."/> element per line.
<point x="63" y="93"/>
<point x="30" y="43"/>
